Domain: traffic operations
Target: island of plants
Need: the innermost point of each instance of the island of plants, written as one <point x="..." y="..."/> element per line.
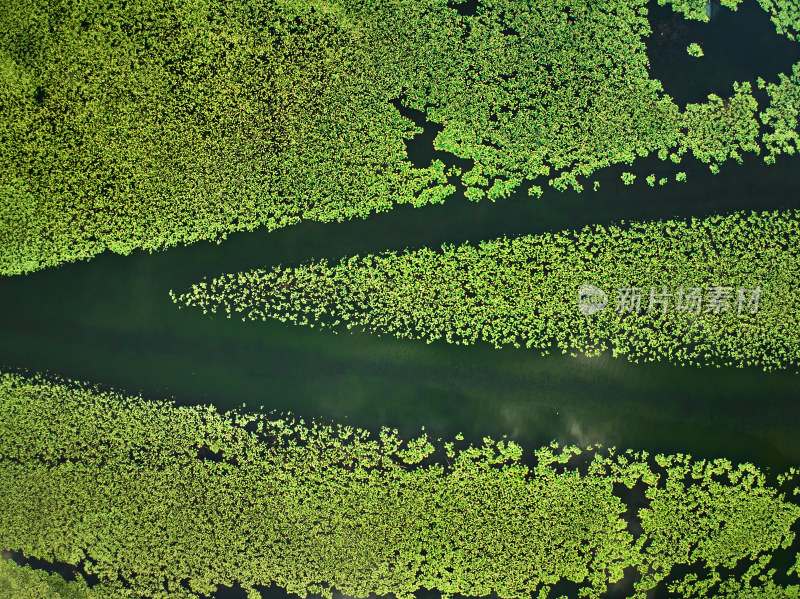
<point x="155" y="500"/>
<point x="718" y="291"/>
<point x="149" y="123"/>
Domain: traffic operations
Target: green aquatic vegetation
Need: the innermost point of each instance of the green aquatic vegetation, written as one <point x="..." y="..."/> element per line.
<point x="695" y="50"/>
<point x="627" y="178"/>
<point x="785" y="14"/>
<point x="736" y="587"/>
<point x="722" y="128"/>
<point x="142" y="125"/>
<point x="524" y="291"/>
<point x="731" y="589"/>
<point x="24" y="582"/>
<point x="722" y="519"/>
<point x="651" y="179"/>
<point x="171" y="502"/>
<point x="782" y="115"/>
<point x="126" y="487"/>
<point x="697" y="9"/>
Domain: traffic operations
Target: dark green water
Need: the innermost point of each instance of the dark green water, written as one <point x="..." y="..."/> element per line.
<point x="111" y="321"/>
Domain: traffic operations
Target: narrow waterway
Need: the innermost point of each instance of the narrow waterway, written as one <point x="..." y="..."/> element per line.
<point x="111" y="321"/>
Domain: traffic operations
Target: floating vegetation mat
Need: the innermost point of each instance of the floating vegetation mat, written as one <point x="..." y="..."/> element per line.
<point x="24" y="582"/>
<point x="154" y="500"/>
<point x="721" y="291"/>
<point x="149" y="123"/>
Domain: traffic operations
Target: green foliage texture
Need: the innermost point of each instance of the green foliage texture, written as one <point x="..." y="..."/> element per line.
<point x="695" y="50"/>
<point x="148" y="123"/>
<point x="171" y="502"/>
<point x="696" y="9"/>
<point x="23" y="582"/>
<point x="785" y="14"/>
<point x="524" y="291"/>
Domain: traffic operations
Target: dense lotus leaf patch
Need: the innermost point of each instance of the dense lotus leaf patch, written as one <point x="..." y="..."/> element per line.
<point x="171" y="502"/>
<point x="723" y="290"/>
<point x="148" y="123"/>
<point x="163" y="501"/>
<point x="24" y="582"/>
<point x="782" y="115"/>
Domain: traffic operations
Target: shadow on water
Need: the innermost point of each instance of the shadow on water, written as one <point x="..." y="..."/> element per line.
<point x="737" y="46"/>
